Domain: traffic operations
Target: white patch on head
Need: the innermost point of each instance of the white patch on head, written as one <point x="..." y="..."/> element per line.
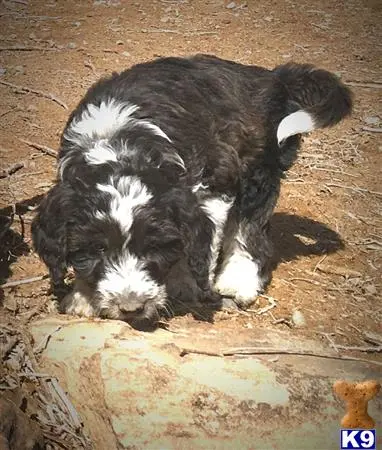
<point x="127" y="278"/>
<point x="240" y="275"/>
<point x="97" y="125"/>
<point x="98" y="122"/>
<point x="127" y="194"/>
<point x="103" y="121"/>
<point x="295" y="123"/>
<point x="78" y="302"/>
<point x="217" y="210"/>
<point x="100" y="153"/>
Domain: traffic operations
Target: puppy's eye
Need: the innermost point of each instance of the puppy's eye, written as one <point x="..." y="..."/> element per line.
<point x="83" y="261"/>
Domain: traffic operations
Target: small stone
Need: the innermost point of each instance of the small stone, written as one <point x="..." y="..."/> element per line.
<point x="76" y="24"/>
<point x="164" y="19"/>
<point x="119" y="42"/>
<point x="127" y="54"/>
<point x="371" y="289"/>
<point x="298" y="319"/>
<point x="20" y="70"/>
<point x="3" y="71"/>
<point x="372" y="120"/>
<point x="72" y="45"/>
<point x="231" y="5"/>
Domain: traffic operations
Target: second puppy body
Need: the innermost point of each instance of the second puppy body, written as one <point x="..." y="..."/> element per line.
<point x="174" y="167"/>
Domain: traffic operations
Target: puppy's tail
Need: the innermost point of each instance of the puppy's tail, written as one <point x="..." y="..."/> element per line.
<point x="322" y="100"/>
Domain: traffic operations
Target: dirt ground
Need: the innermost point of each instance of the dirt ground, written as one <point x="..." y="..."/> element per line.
<point x="327" y="228"/>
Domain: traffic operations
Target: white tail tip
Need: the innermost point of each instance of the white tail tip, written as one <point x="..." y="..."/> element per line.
<point x="296" y="123"/>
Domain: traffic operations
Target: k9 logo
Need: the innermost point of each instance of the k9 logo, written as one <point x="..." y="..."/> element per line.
<point x="351" y="439"/>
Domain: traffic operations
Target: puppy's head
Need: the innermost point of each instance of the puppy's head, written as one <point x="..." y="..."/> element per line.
<point x="120" y="238"/>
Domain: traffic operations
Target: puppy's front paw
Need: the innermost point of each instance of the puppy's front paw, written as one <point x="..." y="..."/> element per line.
<point x="240" y="280"/>
<point x="77" y="303"/>
<point x="209" y="296"/>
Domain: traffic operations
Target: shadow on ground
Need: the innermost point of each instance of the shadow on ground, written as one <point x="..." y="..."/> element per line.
<point x="295" y="236"/>
<point x="12" y="243"/>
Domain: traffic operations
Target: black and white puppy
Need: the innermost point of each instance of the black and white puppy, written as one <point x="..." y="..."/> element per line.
<point x="168" y="175"/>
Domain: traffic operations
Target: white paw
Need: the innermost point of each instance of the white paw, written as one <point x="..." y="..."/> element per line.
<point x="77" y="302"/>
<point x="240" y="279"/>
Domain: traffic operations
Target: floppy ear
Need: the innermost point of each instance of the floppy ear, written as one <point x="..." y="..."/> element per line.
<point x="49" y="231"/>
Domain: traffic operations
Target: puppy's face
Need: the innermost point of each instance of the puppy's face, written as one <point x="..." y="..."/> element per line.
<point x="121" y="241"/>
<point x="125" y="272"/>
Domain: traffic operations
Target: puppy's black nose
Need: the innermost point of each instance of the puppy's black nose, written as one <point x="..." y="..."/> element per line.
<point x="132" y="306"/>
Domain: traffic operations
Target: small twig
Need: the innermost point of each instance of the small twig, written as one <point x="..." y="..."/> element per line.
<point x="186" y="351"/>
<point x="372" y="85"/>
<point x="260" y="311"/>
<point x="14" y="109"/>
<point x="201" y="33"/>
<point x="286" y="351"/>
<point x="45" y="341"/>
<point x="273" y="351"/>
<point x="235" y="312"/>
<point x="337" y="270"/>
<point x="374" y="349"/>
<point x="160" y="30"/>
<point x="283" y="320"/>
<point x="372" y="338"/>
<point x="22" y="48"/>
<point x="68" y="404"/>
<point x="319" y="262"/>
<point x="307" y="280"/>
<point x="320" y="26"/>
<point x="47" y="150"/>
<point x="355" y="328"/>
<point x="328" y="337"/>
<point x="185" y="33"/>
<point x="90" y="65"/>
<point x="372" y="130"/>
<point x="15" y="283"/>
<point x="35" y="91"/>
<point x="11" y="170"/>
<point x="341" y="172"/>
<point x="109" y="50"/>
<point x="354" y="189"/>
<point x="18" y="15"/>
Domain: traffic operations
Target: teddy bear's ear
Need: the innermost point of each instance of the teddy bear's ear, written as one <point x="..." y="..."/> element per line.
<point x="370" y="389"/>
<point x="341" y="388"/>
